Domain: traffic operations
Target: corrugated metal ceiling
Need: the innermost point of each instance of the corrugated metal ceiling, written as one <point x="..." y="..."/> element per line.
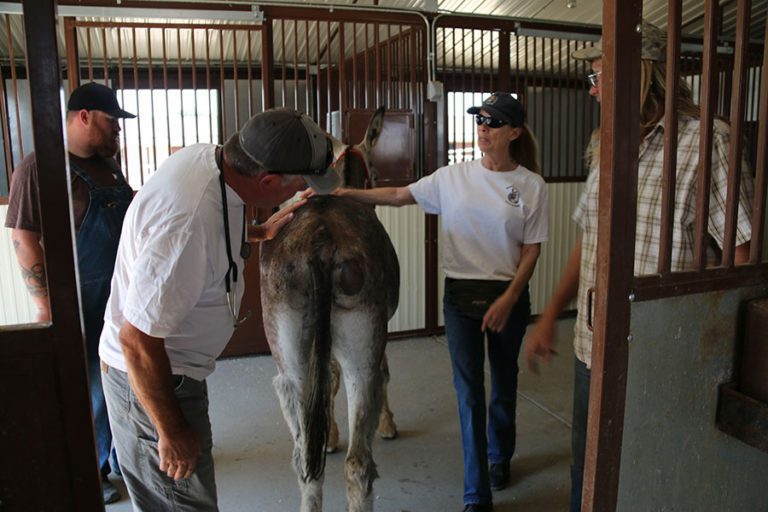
<point x="587" y="12"/>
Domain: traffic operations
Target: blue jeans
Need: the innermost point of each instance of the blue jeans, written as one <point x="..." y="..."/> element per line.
<point x="579" y="431"/>
<point x="466" y="344"/>
<point x="135" y="437"/>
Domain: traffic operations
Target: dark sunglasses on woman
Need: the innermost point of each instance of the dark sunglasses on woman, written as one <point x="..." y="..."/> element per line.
<point x="489" y="121"/>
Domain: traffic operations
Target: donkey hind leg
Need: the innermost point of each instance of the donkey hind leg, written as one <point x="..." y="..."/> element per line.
<point x="333" y="433"/>
<point x="387" y="428"/>
<point x="290" y="403"/>
<point x="359" y="348"/>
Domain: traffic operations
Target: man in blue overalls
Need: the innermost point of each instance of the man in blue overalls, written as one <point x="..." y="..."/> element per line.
<point x="100" y="197"/>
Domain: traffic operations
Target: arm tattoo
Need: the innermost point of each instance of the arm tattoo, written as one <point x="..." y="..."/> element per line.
<point x="35" y="280"/>
<point x="16" y="245"/>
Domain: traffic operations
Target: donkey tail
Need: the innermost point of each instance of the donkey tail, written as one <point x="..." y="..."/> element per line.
<point x="317" y="418"/>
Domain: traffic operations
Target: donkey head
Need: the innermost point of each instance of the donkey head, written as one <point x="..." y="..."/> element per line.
<point x="353" y="163"/>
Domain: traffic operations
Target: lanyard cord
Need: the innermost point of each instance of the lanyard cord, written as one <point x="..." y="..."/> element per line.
<point x="232" y="265"/>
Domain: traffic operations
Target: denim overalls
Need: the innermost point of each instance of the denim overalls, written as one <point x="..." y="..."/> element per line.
<point x="97" y="241"/>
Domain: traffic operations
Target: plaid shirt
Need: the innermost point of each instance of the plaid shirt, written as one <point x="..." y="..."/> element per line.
<point x="649" y="187"/>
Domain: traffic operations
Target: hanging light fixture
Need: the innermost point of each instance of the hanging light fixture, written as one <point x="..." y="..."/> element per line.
<point x="570" y="4"/>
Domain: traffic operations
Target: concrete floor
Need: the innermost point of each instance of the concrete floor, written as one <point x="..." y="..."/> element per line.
<point x="420" y="471"/>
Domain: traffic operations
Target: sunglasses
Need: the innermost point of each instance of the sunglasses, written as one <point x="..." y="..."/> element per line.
<point x="593" y="79"/>
<point x="490" y="122"/>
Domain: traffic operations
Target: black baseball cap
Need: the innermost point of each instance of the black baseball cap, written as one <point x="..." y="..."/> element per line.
<point x="286" y="141"/>
<point x="504" y="106"/>
<point x="93" y="96"/>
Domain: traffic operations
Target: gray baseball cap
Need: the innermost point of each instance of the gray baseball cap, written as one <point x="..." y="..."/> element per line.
<point x="286" y="141"/>
<point x="653" y="45"/>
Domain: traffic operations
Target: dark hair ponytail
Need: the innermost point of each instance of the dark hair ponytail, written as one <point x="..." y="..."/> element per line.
<point x="525" y="150"/>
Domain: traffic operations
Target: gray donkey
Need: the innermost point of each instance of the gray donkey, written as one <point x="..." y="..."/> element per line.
<point x="329" y="284"/>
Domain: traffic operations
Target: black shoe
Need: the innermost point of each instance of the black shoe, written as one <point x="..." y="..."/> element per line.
<point x="479" y="507"/>
<point x="499" y="475"/>
<point x="111" y="494"/>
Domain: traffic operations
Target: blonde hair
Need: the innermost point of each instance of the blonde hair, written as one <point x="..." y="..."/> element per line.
<point x="653" y="91"/>
<point x="525" y="150"/>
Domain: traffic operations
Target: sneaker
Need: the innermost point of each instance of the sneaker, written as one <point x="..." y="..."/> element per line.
<point x="499" y="475"/>
<point x="111" y="494"/>
<point x="479" y="507"/>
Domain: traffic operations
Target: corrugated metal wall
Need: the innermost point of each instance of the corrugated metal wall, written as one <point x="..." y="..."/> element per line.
<point x="16" y="307"/>
<point x="563" y="234"/>
<point x="406" y="229"/>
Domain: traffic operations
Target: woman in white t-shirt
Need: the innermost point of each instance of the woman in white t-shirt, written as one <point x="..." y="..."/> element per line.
<point x="494" y="218"/>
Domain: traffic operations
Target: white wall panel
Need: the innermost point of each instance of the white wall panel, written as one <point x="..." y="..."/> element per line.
<point x="563" y="234"/>
<point x="16" y="307"/>
<point x="406" y="229"/>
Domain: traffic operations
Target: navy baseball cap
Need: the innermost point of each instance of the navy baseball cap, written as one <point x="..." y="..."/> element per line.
<point x="93" y="96"/>
<point x="504" y="106"/>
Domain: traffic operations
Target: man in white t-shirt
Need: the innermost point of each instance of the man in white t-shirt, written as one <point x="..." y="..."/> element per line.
<point x="176" y="292"/>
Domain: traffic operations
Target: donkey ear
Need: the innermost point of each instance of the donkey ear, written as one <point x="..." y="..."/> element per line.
<point x="374" y="128"/>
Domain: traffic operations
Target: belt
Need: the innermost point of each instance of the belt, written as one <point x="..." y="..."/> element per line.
<point x="175" y="379"/>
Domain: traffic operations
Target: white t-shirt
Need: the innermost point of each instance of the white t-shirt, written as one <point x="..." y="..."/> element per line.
<point x="486" y="217"/>
<point x="171" y="263"/>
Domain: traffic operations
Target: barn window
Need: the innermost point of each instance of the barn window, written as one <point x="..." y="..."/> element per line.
<point x="167" y="120"/>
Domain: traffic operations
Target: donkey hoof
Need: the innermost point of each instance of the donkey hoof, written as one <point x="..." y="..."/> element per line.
<point x="331" y="448"/>
<point x="389" y="434"/>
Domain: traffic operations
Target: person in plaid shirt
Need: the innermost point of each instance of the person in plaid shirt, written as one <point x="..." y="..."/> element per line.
<point x="580" y="272"/>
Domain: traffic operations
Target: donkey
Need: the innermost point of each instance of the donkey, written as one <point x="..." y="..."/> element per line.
<point x="329" y="284"/>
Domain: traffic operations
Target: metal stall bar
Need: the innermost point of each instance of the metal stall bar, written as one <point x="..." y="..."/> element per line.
<point x="670" y="136"/>
<point x="355" y="78"/>
<point x="308" y="86"/>
<point x="165" y="93"/>
<point x="138" y="103"/>
<point x="739" y="85"/>
<point x="328" y="75"/>
<point x="620" y="136"/>
<point x="90" y="53"/>
<point x="504" y="57"/>
<point x="73" y="62"/>
<point x="414" y="84"/>
<point x="105" y="58"/>
<point x="208" y="81"/>
<point x="319" y="74"/>
<point x="377" y="60"/>
<point x="250" y="74"/>
<point x="758" y="206"/>
<point x="282" y="58"/>
<point x="296" y="64"/>
<point x="267" y="64"/>
<point x="551" y="123"/>
<point x="366" y="101"/>
<point x="6" y="131"/>
<point x="472" y="70"/>
<point x="461" y="97"/>
<point x="235" y="87"/>
<point x="151" y="97"/>
<point x="180" y="85"/>
<point x="562" y="170"/>
<point x="402" y="87"/>
<point x="457" y="149"/>
<point x="12" y="61"/>
<point x="343" y="92"/>
<point x="121" y="85"/>
<point x="709" y="97"/>
<point x="222" y="86"/>
<point x="387" y="84"/>
<point x="194" y="84"/>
